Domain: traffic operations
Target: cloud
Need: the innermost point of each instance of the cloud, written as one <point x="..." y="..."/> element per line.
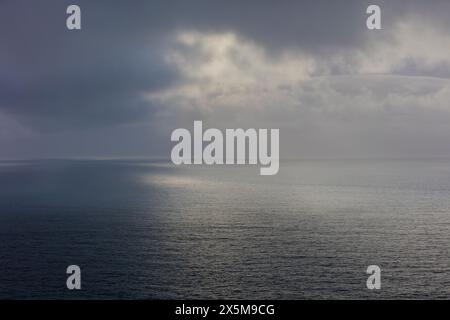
<point x="53" y="79"/>
<point x="139" y="70"/>
<point x="365" y="107"/>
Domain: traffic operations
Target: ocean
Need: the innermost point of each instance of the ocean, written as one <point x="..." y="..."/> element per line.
<point x="152" y="230"/>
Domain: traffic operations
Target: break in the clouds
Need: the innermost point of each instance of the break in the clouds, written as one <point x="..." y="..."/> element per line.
<point x="138" y="70"/>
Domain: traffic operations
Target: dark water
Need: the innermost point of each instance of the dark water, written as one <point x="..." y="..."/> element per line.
<point x="150" y="230"/>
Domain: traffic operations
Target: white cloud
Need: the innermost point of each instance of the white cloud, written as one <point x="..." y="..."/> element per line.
<point x="223" y="71"/>
<point x="230" y="81"/>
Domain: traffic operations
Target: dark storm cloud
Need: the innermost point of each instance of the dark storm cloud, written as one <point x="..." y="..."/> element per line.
<point x="83" y="91"/>
<point x="52" y="78"/>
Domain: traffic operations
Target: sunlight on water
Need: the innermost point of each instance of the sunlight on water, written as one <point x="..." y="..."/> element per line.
<point x="153" y="230"/>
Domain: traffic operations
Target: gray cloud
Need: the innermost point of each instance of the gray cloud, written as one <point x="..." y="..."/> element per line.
<point x="53" y="79"/>
<point x="126" y="79"/>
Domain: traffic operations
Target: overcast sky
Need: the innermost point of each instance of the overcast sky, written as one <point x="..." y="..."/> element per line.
<point x="139" y="69"/>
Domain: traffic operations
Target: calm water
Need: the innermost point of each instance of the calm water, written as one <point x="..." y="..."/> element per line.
<point x="150" y="230"/>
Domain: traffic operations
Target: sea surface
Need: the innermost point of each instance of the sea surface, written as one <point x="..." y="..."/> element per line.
<point x="148" y="229"/>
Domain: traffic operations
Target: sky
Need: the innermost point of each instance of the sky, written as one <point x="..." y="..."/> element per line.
<point x="140" y="69"/>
